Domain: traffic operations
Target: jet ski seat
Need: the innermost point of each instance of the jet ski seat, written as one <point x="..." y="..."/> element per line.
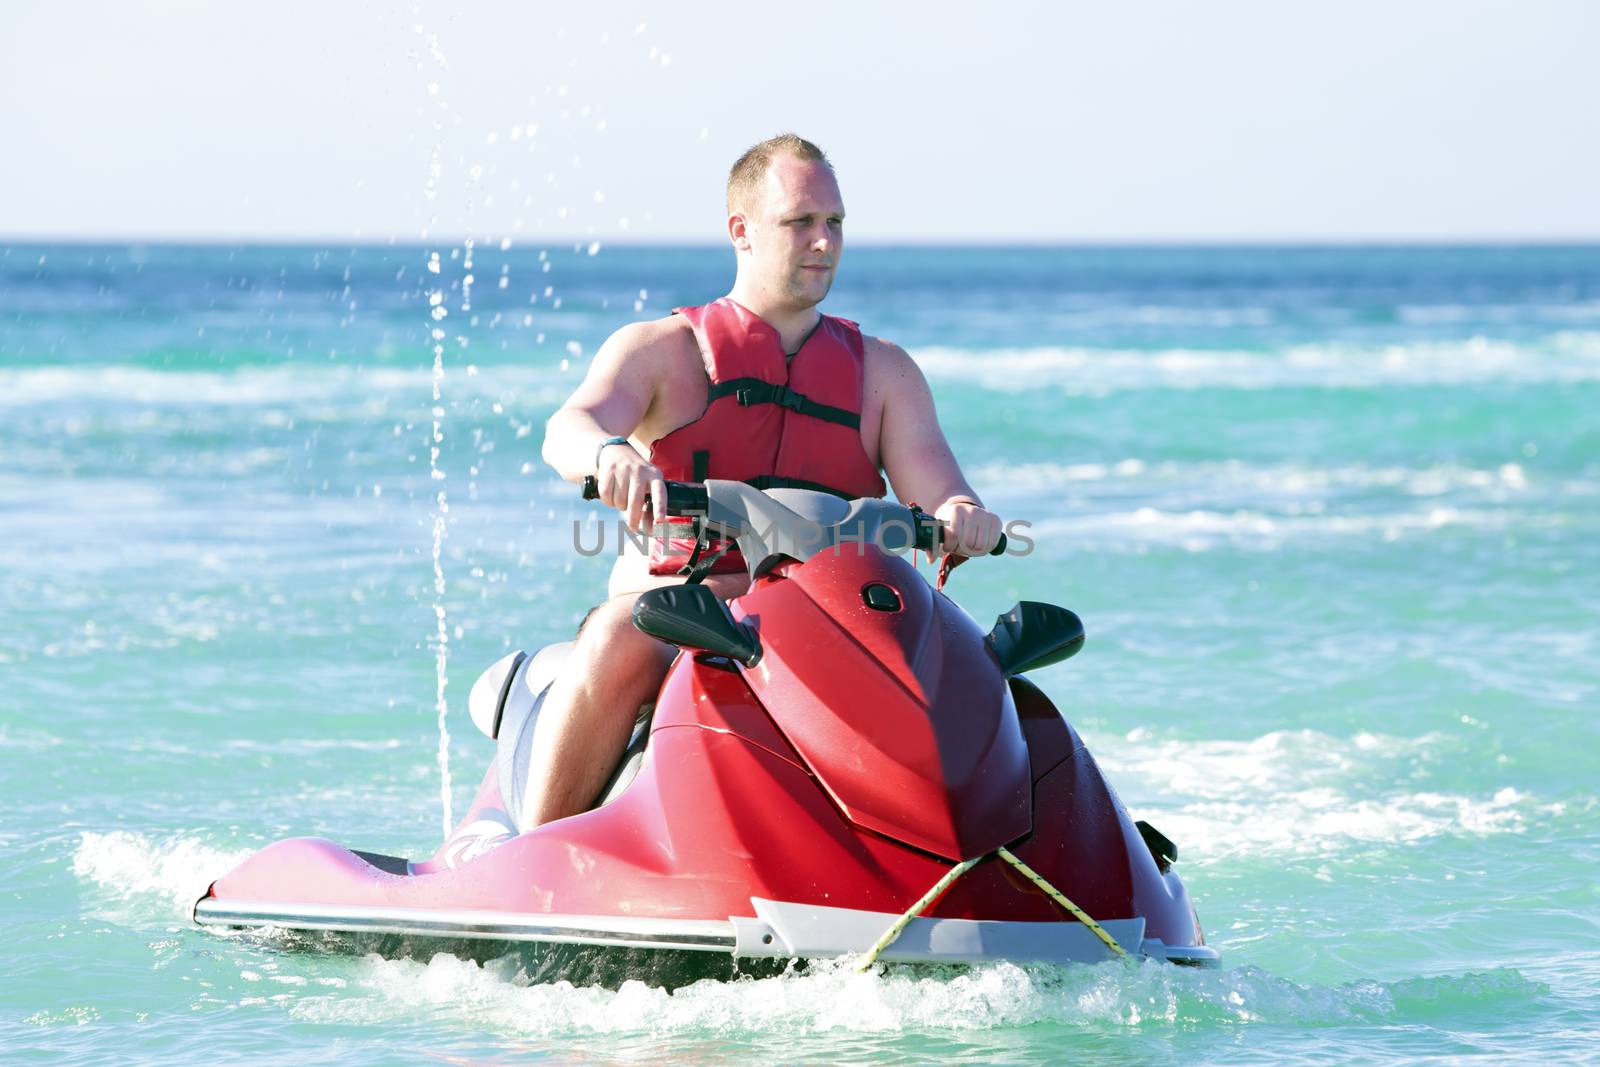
<point x="505" y="704"/>
<point x="632" y="758"/>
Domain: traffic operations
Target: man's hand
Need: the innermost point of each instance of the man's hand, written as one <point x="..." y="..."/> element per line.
<point x="969" y="530"/>
<point x="627" y="482"/>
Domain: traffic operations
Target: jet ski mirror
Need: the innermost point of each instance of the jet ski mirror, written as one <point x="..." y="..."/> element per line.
<point x="1033" y="635"/>
<point x="691" y="616"/>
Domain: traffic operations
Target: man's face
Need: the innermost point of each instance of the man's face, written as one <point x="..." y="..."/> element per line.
<point x="796" y="234"/>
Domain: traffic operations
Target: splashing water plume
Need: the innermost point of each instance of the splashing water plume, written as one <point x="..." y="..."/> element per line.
<point x="441" y="504"/>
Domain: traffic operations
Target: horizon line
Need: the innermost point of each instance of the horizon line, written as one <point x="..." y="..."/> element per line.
<point x="490" y="242"/>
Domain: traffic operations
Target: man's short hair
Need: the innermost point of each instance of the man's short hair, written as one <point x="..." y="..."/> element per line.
<point x="747" y="175"/>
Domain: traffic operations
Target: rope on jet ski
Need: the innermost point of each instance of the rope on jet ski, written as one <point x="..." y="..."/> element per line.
<point x="890" y="935"/>
<point x="1060" y="898"/>
<point x="904" y="921"/>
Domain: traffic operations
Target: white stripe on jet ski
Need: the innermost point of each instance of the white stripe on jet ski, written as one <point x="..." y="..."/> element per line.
<point x="500" y="926"/>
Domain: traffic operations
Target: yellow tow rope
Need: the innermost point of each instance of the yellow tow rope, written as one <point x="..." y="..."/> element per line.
<point x="904" y="921"/>
<point x="963" y="867"/>
<point x="1061" y="898"/>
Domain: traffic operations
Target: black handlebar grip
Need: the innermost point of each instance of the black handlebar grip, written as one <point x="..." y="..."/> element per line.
<point x="928" y="529"/>
<point x="683" y="498"/>
<point x="686" y="498"/>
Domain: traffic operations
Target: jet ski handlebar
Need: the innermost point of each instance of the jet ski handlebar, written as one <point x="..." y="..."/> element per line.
<point x="688" y="499"/>
<point x="683" y="498"/>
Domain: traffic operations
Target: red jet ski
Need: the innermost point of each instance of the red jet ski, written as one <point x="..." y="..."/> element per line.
<point x="839" y="763"/>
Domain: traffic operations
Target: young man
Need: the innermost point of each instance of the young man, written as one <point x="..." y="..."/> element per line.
<point x="652" y="408"/>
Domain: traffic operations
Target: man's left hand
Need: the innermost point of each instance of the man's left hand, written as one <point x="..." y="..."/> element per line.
<point x="969" y="530"/>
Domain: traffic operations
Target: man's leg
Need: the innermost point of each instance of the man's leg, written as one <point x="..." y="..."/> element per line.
<point x="588" y="715"/>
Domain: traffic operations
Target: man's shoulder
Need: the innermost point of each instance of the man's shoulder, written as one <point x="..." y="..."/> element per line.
<point x="656" y="348"/>
<point x="882" y="356"/>
<point x="667" y="334"/>
<point x="882" y="347"/>
<point x="889" y="373"/>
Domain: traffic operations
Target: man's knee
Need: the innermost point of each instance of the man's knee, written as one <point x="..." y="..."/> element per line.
<point x="610" y="650"/>
<point x="583" y="623"/>
<point x="608" y="631"/>
<point x="609" y="617"/>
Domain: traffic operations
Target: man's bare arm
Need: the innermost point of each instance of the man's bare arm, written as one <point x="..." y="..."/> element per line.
<point x="611" y="401"/>
<point x="917" y="458"/>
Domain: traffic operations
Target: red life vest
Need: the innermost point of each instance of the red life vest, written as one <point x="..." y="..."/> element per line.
<point x="771" y="421"/>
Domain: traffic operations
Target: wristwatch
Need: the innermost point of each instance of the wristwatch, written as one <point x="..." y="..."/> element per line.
<point x="608" y="442"/>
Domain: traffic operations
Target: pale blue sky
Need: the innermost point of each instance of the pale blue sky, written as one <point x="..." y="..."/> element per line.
<point x="1045" y="122"/>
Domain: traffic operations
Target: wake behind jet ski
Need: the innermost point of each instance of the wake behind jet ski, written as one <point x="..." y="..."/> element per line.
<point x="839" y="763"/>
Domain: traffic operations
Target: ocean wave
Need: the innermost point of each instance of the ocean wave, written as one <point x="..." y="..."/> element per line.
<point x="1132" y="504"/>
<point x="1273" y="478"/>
<point x="1330" y="822"/>
<point x="24" y="738"/>
<point x="296" y="386"/>
<point x="1586" y="311"/>
<point x="1302" y="792"/>
<point x="1569" y="357"/>
<point x="1203" y="530"/>
<point x="1268" y="765"/>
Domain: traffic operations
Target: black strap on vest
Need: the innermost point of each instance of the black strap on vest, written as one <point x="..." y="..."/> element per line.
<point x="758" y="391"/>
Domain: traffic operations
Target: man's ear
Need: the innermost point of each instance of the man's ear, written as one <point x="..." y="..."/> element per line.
<point x="739" y="232"/>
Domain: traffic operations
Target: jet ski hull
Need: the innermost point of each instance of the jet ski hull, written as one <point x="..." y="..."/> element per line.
<point x="782" y="878"/>
<point x="777" y="931"/>
<point x="793" y="802"/>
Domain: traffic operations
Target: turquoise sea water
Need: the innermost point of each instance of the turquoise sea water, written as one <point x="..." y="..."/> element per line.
<point x="1332" y="518"/>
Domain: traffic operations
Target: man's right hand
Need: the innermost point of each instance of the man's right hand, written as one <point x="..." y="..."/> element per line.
<point x="629" y="482"/>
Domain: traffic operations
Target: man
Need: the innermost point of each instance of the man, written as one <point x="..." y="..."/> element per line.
<point x="652" y="408"/>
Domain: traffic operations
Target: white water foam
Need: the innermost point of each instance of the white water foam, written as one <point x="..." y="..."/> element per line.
<point x="1300" y="792"/>
<point x="138" y="871"/>
<point x="1202" y="530"/>
<point x="830" y="997"/>
<point x="1200" y="506"/>
<point x="1282" y="479"/>
<point x="439" y="515"/>
<point x="1570" y="357"/>
<point x="1586" y="311"/>
<point x="1328" y="822"/>
<point x="830" y="1002"/>
<point x="440" y="512"/>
